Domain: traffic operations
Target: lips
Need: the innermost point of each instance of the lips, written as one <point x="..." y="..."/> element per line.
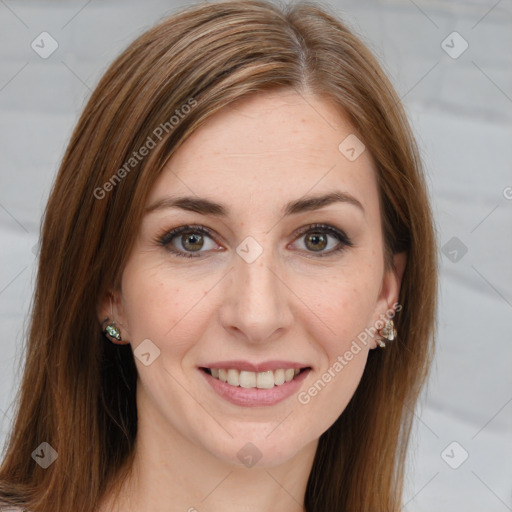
<point x="255" y="388"/>
<point x="255" y="384"/>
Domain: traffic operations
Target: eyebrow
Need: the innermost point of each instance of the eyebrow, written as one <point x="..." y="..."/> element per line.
<point x="207" y="207"/>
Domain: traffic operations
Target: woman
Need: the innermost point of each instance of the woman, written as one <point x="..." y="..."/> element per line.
<point x="236" y="295"/>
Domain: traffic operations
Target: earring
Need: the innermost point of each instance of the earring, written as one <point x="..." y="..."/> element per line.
<point x="111" y="331"/>
<point x="388" y="332"/>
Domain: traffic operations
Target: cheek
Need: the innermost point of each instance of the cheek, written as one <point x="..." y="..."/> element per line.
<point x="345" y="304"/>
<point x="346" y="310"/>
<point x="155" y="304"/>
<point x="172" y="308"/>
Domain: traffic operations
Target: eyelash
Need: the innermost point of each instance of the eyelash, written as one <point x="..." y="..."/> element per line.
<point x="165" y="239"/>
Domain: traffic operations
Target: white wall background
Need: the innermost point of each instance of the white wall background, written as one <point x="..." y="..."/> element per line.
<point x="461" y="110"/>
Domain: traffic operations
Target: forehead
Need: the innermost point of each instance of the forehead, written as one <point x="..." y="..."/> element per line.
<point x="275" y="146"/>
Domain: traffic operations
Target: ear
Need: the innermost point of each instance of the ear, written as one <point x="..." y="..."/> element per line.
<point x="390" y="289"/>
<point x="110" y="309"/>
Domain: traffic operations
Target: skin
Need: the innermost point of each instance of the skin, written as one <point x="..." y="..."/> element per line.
<point x="289" y="304"/>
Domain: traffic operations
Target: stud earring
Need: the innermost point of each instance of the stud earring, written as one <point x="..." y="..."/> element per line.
<point x="388" y="332"/>
<point x="111" y="331"/>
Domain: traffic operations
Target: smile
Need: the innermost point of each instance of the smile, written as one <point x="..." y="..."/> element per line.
<point x="247" y="379"/>
<point x="254" y="396"/>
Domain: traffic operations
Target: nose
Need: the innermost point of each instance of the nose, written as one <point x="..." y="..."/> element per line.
<point x="256" y="303"/>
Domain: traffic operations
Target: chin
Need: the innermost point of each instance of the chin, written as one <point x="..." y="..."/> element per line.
<point x="259" y="450"/>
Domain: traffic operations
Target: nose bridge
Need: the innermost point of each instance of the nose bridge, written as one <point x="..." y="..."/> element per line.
<point x="258" y="304"/>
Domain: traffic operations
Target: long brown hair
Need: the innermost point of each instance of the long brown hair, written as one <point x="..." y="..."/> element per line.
<point x="78" y="391"/>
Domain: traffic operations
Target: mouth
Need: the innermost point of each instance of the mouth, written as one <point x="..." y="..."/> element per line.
<point x="261" y="380"/>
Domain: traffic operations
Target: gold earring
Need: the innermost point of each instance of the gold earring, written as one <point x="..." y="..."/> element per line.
<point x="388" y="332"/>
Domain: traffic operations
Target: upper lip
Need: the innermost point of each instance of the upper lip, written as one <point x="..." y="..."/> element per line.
<point x="255" y="367"/>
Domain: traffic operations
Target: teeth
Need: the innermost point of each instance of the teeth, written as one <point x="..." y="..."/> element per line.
<point x="265" y="380"/>
<point x="279" y="377"/>
<point x="233" y="378"/>
<point x="261" y="380"/>
<point x="247" y="379"/>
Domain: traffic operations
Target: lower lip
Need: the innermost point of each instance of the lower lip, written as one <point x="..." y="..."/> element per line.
<point x="254" y="397"/>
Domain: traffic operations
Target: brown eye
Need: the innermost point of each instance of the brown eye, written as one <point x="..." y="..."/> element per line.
<point x="186" y="240"/>
<point x="192" y="241"/>
<point x="316" y="241"/>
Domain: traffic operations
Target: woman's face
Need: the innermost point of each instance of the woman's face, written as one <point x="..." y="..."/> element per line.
<point x="254" y="287"/>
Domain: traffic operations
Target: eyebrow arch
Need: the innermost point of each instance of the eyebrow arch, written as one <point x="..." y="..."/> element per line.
<point x="207" y="207"/>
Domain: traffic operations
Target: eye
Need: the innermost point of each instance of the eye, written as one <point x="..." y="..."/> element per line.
<point x="316" y="239"/>
<point x="192" y="239"/>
